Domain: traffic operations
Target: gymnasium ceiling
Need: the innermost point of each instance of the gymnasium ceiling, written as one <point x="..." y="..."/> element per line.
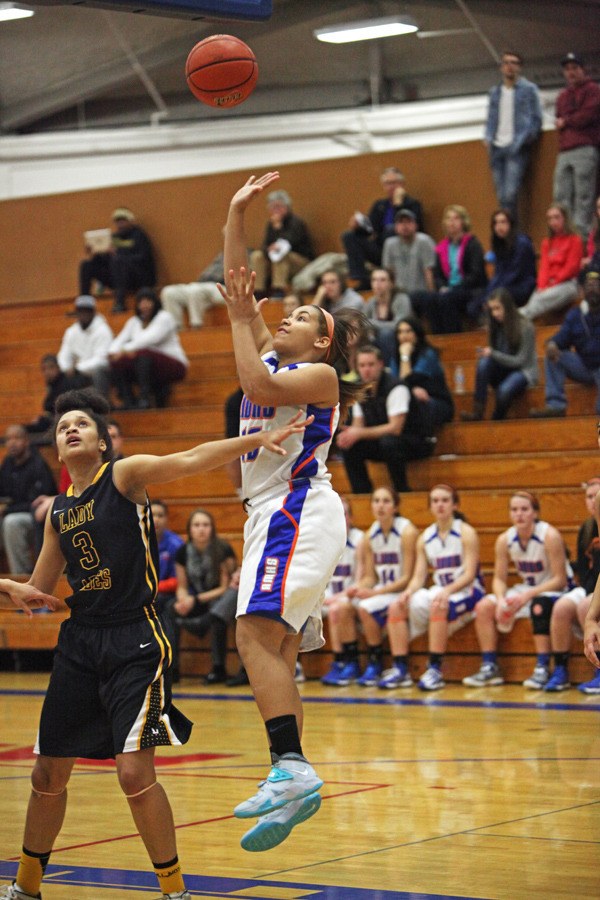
<point x="82" y="67"/>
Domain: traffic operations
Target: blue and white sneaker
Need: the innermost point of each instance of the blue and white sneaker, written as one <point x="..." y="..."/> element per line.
<point x="432" y="680"/>
<point x="335" y="669"/>
<point x="178" y="895"/>
<point x="538" y="679"/>
<point x="299" y="676"/>
<point x="371" y="675"/>
<point x="592" y="686"/>
<point x="273" y="828"/>
<point x="291" y="778"/>
<point x="488" y="674"/>
<point x="558" y="681"/>
<point x="396" y="677"/>
<point x="349" y="673"/>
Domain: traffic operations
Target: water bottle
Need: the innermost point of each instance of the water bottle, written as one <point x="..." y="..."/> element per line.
<point x="459" y="380"/>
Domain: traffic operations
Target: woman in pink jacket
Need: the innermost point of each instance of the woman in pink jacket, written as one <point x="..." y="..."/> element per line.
<point x="560" y="261"/>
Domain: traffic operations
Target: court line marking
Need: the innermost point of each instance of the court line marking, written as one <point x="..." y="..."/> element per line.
<point x="126" y="837"/>
<point x="367" y="701"/>
<point x="437" y="837"/>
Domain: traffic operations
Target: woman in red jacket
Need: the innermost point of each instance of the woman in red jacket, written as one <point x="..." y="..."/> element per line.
<point x="560" y="261"/>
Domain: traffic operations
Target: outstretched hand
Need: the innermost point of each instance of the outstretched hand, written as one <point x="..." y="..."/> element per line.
<point x="27" y="597"/>
<point x="238" y="295"/>
<point x="253" y="186"/>
<point x="272" y="439"/>
<point x="591" y="642"/>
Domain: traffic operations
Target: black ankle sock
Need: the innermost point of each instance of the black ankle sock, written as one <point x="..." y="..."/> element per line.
<point x="350" y="651"/>
<point x="401" y="661"/>
<point x="283" y="735"/>
<point x="561" y="659"/>
<point x="435" y="659"/>
<point x="376" y="653"/>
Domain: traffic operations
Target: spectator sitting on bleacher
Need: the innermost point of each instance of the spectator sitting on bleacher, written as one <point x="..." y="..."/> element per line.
<point x="508" y="363"/>
<point x="84" y="347"/>
<point x="569" y="611"/>
<point x="127" y="266"/>
<point x="459" y="274"/>
<point x="25" y="477"/>
<point x="388" y="425"/>
<point x="450" y="548"/>
<point x="410" y="255"/>
<point x="287" y="247"/>
<point x="147" y="353"/>
<point x="560" y="262"/>
<point x="418" y="366"/>
<point x="333" y="294"/>
<point x="56" y="382"/>
<point x="197" y="296"/>
<point x="513" y="257"/>
<point x="537" y="551"/>
<point x="206" y="597"/>
<point x="364" y="239"/>
<point x="168" y="545"/>
<point x="574" y="352"/>
<point x="337" y="600"/>
<point x="387" y="305"/>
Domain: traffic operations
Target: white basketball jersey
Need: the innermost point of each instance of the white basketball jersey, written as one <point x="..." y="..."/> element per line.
<point x="387" y="550"/>
<point x="306" y="451"/>
<point x="345" y="572"/>
<point x="446" y="557"/>
<point x="531" y="561"/>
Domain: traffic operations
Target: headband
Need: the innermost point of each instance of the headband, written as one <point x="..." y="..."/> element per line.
<point x="330" y="328"/>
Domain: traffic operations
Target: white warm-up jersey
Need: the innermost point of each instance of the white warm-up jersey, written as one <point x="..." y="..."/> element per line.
<point x="531" y="561"/>
<point x="344" y="573"/>
<point x="306" y="451"/>
<point x="446" y="557"/>
<point x="387" y="550"/>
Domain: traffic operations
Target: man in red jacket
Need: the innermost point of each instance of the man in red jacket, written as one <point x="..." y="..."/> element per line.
<point x="578" y="126"/>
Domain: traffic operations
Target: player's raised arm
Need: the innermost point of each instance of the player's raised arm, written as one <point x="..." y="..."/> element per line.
<point x="132" y="474"/>
<point x="236" y="243"/>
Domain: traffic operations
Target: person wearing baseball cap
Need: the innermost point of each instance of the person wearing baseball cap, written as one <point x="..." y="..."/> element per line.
<point x="84" y="347"/>
<point x="578" y="126"/>
<point x="126" y="267"/>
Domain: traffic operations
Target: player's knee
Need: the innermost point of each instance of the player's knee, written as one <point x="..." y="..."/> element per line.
<point x="135" y="780"/>
<point x="47" y="780"/>
<point x="398" y="611"/>
<point x="485" y="609"/>
<point x="541" y="613"/>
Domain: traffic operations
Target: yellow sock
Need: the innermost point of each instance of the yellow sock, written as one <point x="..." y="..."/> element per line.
<point x="170" y="879"/>
<point x="31" y="870"/>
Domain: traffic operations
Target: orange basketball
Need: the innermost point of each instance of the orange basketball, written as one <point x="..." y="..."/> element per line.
<point x="221" y="71"/>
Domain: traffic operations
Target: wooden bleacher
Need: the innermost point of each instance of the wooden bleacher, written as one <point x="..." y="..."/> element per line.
<point x="484" y="460"/>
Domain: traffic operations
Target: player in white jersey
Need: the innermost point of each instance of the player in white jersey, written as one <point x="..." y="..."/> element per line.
<point x="450" y="548"/>
<point x="537" y="551"/>
<point x="295" y="533"/>
<point x="386" y="557"/>
<point x="346" y="573"/>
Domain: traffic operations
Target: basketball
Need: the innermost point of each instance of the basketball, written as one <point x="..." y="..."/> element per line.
<point x="221" y="71"/>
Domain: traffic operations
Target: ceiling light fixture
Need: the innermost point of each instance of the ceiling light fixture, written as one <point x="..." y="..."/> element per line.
<point x="367" y="30"/>
<point x="10" y="11"/>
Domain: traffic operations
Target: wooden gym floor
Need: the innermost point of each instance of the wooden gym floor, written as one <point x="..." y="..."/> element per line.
<point x="491" y="793"/>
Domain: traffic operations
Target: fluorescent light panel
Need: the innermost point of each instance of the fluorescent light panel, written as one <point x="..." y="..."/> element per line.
<point x="10" y="11"/>
<point x="367" y="30"/>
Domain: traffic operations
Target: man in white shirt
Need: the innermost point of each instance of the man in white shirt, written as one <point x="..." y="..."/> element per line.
<point x="84" y="347"/>
<point x="514" y="122"/>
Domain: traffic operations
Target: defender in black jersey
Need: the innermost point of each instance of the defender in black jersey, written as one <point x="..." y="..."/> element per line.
<point x="110" y="689"/>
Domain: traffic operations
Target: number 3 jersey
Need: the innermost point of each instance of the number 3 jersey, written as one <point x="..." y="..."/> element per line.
<point x="306" y="451"/>
<point x="111" y="552"/>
